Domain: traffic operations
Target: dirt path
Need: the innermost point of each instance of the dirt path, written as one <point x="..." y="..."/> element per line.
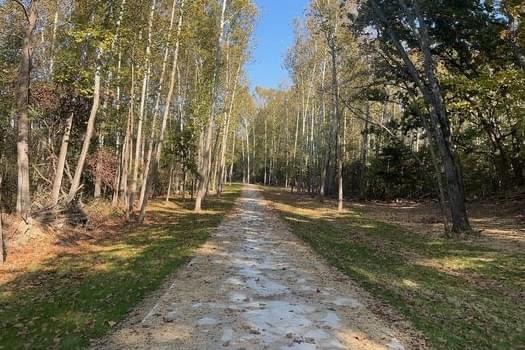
<point x="255" y="286"/>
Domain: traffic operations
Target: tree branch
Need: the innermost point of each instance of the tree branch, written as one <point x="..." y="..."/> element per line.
<point x="26" y="14"/>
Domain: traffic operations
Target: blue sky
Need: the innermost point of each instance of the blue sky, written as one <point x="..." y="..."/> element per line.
<point x="273" y="37"/>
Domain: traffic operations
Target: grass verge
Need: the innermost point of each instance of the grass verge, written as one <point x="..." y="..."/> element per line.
<point x="77" y="296"/>
<point x="458" y="295"/>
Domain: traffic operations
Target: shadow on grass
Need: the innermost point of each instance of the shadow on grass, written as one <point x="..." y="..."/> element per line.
<point x="74" y="297"/>
<point x="459" y="295"/>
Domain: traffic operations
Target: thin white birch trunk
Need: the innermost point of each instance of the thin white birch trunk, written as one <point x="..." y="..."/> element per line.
<point x="207" y="149"/>
<point x="156" y="109"/>
<point x="145" y="81"/>
<point x="167" y="106"/>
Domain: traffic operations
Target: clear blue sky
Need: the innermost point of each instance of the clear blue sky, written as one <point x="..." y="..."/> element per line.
<point x="273" y="37"/>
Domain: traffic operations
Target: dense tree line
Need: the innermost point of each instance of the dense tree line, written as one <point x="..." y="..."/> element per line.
<point x="404" y="98"/>
<point x="120" y="99"/>
<point x="129" y="99"/>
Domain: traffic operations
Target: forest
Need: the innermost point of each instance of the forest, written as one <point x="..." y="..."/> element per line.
<point x="399" y="101"/>
<point x="127" y="123"/>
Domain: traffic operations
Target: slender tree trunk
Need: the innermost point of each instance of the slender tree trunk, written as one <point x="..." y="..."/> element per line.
<point x="116" y="182"/>
<point x="168" y="194"/>
<point x="324" y="163"/>
<point x="227" y="128"/>
<point x="140" y="121"/>
<point x="243" y="163"/>
<point x="57" y="183"/>
<point x="75" y="183"/>
<point x="365" y="150"/>
<point x="152" y="167"/>
<point x="127" y="145"/>
<point x="205" y="154"/>
<point x="169" y="97"/>
<point x="265" y="151"/>
<point x="336" y="117"/>
<point x="247" y="154"/>
<point x="232" y="160"/>
<point x="254" y="153"/>
<point x="89" y="131"/>
<point x="340" y="197"/>
<point x="98" y="167"/>
<point x="156" y="109"/>
<point x="119" y="149"/>
<point x="2" y="245"/>
<point x="272" y="160"/>
<point x="213" y="180"/>
<point x="53" y="41"/>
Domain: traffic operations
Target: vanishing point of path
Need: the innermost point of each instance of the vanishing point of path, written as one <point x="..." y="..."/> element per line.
<point x="254" y="285"/>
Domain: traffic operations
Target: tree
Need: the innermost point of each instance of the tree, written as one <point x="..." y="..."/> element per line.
<point x="205" y="152"/>
<point x="399" y="22"/>
<point x="23" y="202"/>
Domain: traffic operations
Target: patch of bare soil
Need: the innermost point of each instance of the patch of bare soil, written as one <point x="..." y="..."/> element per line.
<point x="501" y="222"/>
<point x="254" y="285"/>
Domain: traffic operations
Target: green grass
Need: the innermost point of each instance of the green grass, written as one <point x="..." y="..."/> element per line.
<point x="72" y="298"/>
<point x="458" y="295"/>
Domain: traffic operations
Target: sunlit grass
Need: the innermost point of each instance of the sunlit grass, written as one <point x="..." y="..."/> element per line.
<point x="459" y="295"/>
<point x="68" y="300"/>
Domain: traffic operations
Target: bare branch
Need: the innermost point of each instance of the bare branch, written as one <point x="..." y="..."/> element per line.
<point x="26" y="14"/>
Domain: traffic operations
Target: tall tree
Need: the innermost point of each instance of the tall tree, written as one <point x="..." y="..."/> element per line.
<point x="400" y="22"/>
<point x="205" y="152"/>
<point x="23" y="201"/>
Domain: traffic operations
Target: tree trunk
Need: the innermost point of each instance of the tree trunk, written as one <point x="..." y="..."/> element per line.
<point x="205" y="154"/>
<point x="89" y="131"/>
<point x="75" y="183"/>
<point x="127" y="145"/>
<point x="2" y="245"/>
<point x="247" y="154"/>
<point x="456" y="193"/>
<point x="116" y="182"/>
<point x="337" y="121"/>
<point x="243" y="163"/>
<point x="57" y="183"/>
<point x="265" y="151"/>
<point x="365" y="151"/>
<point x="146" y="170"/>
<point x="222" y="171"/>
<point x="98" y="167"/>
<point x="168" y="194"/>
<point x="429" y="87"/>
<point x="152" y="167"/>
<point x="327" y="153"/>
<point x="232" y="161"/>
<point x="23" y="199"/>
<point x="53" y="41"/>
<point x="140" y="121"/>
<point x="119" y="149"/>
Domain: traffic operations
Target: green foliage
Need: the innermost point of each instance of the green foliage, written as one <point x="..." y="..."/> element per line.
<point x="396" y="173"/>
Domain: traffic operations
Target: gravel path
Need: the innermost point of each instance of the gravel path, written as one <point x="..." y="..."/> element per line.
<point x="255" y="286"/>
